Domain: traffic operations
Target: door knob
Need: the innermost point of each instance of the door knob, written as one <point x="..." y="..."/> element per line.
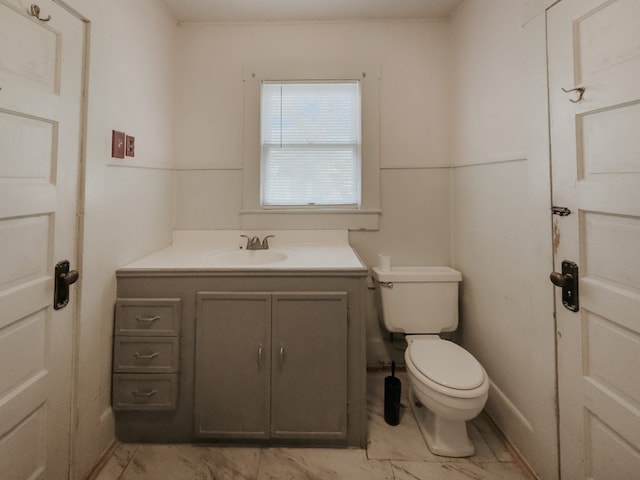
<point x="63" y="278"/>
<point x="559" y="279"/>
<point x="71" y="277"/>
<point x="568" y="281"/>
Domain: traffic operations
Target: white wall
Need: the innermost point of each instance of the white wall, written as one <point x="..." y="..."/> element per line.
<point x="128" y="210"/>
<point x="413" y="58"/>
<point x="501" y="220"/>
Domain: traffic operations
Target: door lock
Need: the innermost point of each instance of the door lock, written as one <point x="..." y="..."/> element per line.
<point x="568" y="281"/>
<point x="63" y="278"/>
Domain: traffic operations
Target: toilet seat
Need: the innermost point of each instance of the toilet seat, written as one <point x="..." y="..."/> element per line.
<point x="446" y="367"/>
<point x="447" y="364"/>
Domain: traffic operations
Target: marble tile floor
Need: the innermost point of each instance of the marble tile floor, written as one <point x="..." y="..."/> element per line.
<point x="392" y="453"/>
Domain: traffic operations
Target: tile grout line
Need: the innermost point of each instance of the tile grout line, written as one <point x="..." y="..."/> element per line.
<point x="259" y="463"/>
<point x="102" y="463"/>
<point x="124" y="469"/>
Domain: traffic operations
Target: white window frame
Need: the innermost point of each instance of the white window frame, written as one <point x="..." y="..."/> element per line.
<point x="354" y="145"/>
<point x="366" y="217"/>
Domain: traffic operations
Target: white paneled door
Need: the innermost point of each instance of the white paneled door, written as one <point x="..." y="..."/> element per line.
<point x="595" y="45"/>
<point x="41" y="70"/>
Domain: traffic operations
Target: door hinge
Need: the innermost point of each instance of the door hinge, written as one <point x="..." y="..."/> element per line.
<point x="560" y="211"/>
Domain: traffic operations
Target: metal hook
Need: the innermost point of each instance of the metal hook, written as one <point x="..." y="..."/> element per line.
<point x="35" y="12"/>
<point x="580" y="91"/>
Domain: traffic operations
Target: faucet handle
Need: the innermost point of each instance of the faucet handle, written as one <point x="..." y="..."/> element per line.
<point x="265" y="241"/>
<point x="248" y="241"/>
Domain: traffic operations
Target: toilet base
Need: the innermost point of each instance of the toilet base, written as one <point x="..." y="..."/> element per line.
<point x="446" y="438"/>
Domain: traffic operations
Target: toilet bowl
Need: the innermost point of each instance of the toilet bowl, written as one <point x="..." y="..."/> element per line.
<point x="448" y="387"/>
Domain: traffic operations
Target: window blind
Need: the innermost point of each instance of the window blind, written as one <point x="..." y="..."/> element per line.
<point x="310" y="136"/>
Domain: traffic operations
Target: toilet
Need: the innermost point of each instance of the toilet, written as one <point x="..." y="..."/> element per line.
<point x="448" y="386"/>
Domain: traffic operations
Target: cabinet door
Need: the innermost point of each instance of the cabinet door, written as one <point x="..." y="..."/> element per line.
<point x="232" y="365"/>
<point x="309" y="369"/>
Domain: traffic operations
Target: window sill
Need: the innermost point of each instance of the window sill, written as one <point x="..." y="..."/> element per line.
<point x="304" y="219"/>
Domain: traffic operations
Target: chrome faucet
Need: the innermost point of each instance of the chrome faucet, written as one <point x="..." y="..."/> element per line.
<point x="265" y="242"/>
<point x="253" y="243"/>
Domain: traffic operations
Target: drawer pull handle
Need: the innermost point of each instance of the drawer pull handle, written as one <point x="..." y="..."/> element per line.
<point x="281" y="355"/>
<point x="142" y="356"/>
<point x="147" y="320"/>
<point x="260" y="353"/>
<point x="148" y="394"/>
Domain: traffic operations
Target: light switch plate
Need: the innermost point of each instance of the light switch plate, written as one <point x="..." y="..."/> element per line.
<point x="117" y="144"/>
<point x="130" y="146"/>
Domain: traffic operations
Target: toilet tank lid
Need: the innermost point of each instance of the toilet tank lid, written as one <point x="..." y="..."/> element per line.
<point x="447" y="364"/>
<point x="417" y="274"/>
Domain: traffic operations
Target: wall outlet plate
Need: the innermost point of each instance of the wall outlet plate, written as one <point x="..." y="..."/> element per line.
<point x="130" y="146"/>
<point x="117" y="144"/>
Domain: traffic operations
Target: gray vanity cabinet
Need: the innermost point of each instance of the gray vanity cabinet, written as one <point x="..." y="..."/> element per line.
<point x="146" y="354"/>
<point x="271" y="365"/>
<point x="251" y="357"/>
<point x="232" y="365"/>
<point x="309" y="368"/>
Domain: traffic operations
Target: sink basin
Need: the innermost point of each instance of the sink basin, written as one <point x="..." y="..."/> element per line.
<point x="246" y="257"/>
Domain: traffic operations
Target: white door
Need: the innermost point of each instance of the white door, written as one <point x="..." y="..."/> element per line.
<point x="595" y="44"/>
<point x="40" y="113"/>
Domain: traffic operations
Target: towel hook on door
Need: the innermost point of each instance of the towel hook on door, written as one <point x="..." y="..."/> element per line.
<point x="35" y="12"/>
<point x="580" y="91"/>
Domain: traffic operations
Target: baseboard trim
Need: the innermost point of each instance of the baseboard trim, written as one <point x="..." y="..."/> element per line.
<point x="512" y="450"/>
<point x="499" y="402"/>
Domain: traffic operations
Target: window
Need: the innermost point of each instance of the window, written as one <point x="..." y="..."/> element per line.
<point x="361" y="211"/>
<point x="310" y="144"/>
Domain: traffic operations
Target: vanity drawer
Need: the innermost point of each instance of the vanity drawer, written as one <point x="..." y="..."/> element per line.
<point x="148" y="316"/>
<point x="145" y="391"/>
<point x="145" y="354"/>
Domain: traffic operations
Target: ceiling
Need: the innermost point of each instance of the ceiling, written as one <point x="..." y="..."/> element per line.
<point x="308" y="10"/>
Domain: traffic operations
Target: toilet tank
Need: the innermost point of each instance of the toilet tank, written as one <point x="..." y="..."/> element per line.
<point x="416" y="300"/>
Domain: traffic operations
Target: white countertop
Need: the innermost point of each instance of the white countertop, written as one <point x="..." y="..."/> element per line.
<point x="224" y="250"/>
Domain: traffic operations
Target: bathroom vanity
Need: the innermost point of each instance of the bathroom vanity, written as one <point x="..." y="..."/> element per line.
<point x="216" y="343"/>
